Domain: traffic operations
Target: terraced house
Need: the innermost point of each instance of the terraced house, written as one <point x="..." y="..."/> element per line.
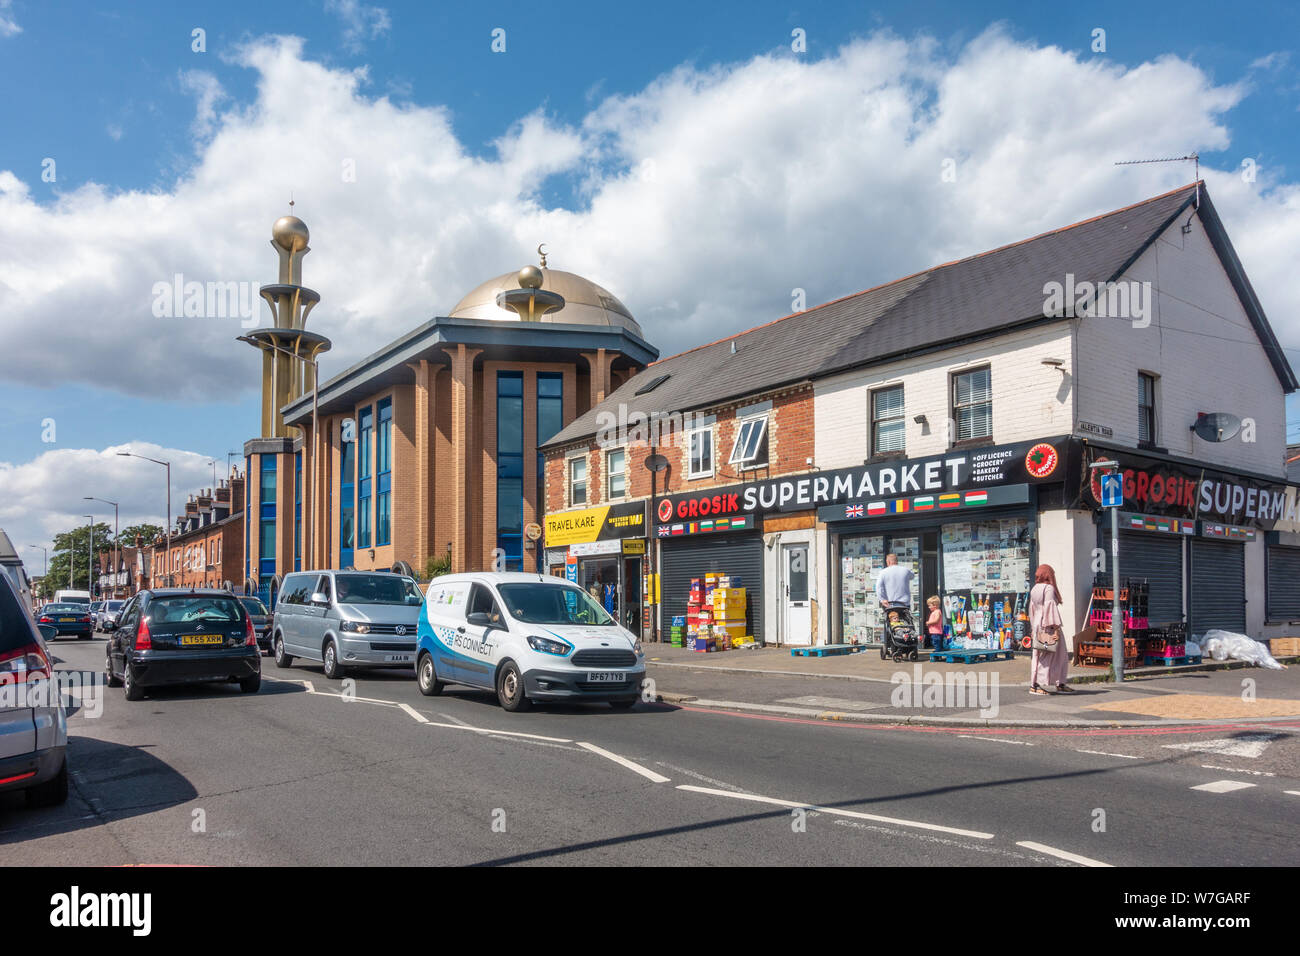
<point x="951" y="417"/>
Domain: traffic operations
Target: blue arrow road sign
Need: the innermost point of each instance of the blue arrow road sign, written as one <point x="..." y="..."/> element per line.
<point x="1112" y="491"/>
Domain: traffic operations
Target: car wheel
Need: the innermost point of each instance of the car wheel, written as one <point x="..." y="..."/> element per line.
<point x="109" y="678"/>
<point x="625" y="704"/>
<point x="427" y="677"/>
<point x="510" y="688"/>
<point x="130" y="687"/>
<point x="251" y="685"/>
<point x="51" y="793"/>
<point x="281" y="658"/>
<point x="331" y="661"/>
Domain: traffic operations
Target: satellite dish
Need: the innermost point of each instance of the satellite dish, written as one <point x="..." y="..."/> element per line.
<point x="401" y="567"/>
<point x="1216" y="426"/>
<point x="656" y="462"/>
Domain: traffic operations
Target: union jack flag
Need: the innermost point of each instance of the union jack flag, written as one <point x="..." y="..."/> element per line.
<point x="664" y="531"/>
<point x="853" y="511"/>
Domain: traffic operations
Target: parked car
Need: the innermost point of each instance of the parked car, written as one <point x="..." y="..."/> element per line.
<point x="261" y="620"/>
<point x="107" y="612"/>
<point x="347" y="619"/>
<point x="528" y="637"/>
<point x="178" y="636"/>
<point x="33" y="723"/>
<point x="67" y="619"/>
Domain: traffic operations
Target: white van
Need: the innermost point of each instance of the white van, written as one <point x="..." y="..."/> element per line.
<point x="528" y="637"/>
<point x="71" y="597"/>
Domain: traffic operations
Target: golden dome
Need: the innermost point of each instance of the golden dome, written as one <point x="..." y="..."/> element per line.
<point x="585" y="303"/>
<point x="290" y="233"/>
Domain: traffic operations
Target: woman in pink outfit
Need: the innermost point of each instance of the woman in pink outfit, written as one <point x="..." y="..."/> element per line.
<point x="1047" y="668"/>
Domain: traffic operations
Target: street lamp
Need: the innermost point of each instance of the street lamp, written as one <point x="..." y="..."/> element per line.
<point x="230" y="455"/>
<point x="168" y="465"/>
<point x="90" y="545"/>
<point x="116" y="534"/>
<point x="314" y="505"/>
<point x="44" y="582"/>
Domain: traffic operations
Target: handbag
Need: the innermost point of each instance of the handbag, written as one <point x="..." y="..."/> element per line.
<point x="1048" y="634"/>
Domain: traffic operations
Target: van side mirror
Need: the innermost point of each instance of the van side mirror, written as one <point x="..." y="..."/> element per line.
<point x="480" y="619"/>
<point x="320" y="598"/>
<point x="48" y="631"/>
<point x="109" y="625"/>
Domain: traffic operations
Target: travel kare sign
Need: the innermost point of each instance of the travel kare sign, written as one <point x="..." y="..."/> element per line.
<point x="895" y="486"/>
<point x="602" y="523"/>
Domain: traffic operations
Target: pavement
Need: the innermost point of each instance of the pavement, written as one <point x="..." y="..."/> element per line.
<point x="861" y="687"/>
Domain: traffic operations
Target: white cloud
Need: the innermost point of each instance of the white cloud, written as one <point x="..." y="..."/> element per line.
<point x="360" y="22"/>
<point x="8" y="25"/>
<point x="44" y="496"/>
<point x="706" y="197"/>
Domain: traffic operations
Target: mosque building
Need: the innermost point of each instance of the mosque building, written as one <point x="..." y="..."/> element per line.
<point x="425" y="452"/>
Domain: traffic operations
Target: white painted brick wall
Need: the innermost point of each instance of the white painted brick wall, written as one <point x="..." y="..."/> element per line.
<point x="1195" y="310"/>
<point x="1030" y="400"/>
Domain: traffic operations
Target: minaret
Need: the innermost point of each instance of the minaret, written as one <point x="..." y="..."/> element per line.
<point x="530" y="301"/>
<point x="285" y="379"/>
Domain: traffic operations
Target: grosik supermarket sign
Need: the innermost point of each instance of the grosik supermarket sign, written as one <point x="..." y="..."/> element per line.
<point x="1023" y="462"/>
<point x="1177" y="490"/>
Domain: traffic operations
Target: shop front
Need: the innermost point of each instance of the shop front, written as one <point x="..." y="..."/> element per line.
<point x="601" y="550"/>
<point x="969" y="536"/>
<point x="1206" y="541"/>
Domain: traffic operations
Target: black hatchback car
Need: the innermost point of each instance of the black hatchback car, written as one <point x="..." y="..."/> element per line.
<point x="261" y="620"/>
<point x="176" y="636"/>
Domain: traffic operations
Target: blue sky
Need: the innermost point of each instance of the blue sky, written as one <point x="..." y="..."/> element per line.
<point x="144" y="132"/>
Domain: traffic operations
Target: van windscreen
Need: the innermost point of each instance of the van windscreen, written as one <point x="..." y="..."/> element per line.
<point x="377" y="589"/>
<point x="550" y="604"/>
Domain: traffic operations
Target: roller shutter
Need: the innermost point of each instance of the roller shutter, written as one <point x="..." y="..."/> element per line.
<point x="685" y="558"/>
<point x="1218" y="586"/>
<point x="1283" y="583"/>
<point x="1159" y="559"/>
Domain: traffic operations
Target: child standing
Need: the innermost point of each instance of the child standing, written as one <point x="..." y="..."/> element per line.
<point x="934" y="623"/>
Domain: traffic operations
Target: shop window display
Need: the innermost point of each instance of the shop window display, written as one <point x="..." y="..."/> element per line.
<point x="984" y="581"/>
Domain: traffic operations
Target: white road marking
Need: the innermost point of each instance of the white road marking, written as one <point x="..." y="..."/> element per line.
<point x="1294" y="793"/>
<point x="1001" y="740"/>
<point x="794" y="804"/>
<point x="623" y="761"/>
<point x="412" y="712"/>
<point x="699" y="776"/>
<point x="1253" y="773"/>
<point x="1103" y="753"/>
<point x="1247" y="745"/>
<point x="1061" y="854"/>
<point x="1223" y="786"/>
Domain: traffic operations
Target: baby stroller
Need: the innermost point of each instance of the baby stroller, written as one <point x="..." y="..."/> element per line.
<point x="900" y="634"/>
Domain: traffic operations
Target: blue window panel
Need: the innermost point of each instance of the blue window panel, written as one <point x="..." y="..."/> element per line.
<point x="385" y="482"/>
<point x="268" y="513"/>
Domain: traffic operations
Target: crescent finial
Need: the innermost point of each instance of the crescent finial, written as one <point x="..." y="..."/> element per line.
<point x="541" y="251"/>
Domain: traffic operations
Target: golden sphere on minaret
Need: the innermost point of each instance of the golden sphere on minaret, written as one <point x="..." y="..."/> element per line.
<point x="290" y="233"/>
<point x="530" y="277"/>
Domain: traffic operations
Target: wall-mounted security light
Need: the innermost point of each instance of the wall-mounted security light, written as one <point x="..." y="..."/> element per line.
<point x="1054" y="362"/>
<point x="921" y="420"/>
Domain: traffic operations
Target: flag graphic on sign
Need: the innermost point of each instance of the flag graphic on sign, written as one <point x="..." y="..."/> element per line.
<point x="977" y="497"/>
<point x="925" y="503"/>
<point x="664" y="531"/>
<point x="853" y="511"/>
<point x="949" y="501"/>
<point x="898" y="506"/>
<point x="876" y="508"/>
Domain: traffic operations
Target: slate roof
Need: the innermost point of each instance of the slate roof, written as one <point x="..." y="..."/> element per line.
<point x="986" y="294"/>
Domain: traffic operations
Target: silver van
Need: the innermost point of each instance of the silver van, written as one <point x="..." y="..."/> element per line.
<point x="346" y="619"/>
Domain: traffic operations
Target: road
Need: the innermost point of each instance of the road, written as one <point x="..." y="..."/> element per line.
<point x="297" y="774"/>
